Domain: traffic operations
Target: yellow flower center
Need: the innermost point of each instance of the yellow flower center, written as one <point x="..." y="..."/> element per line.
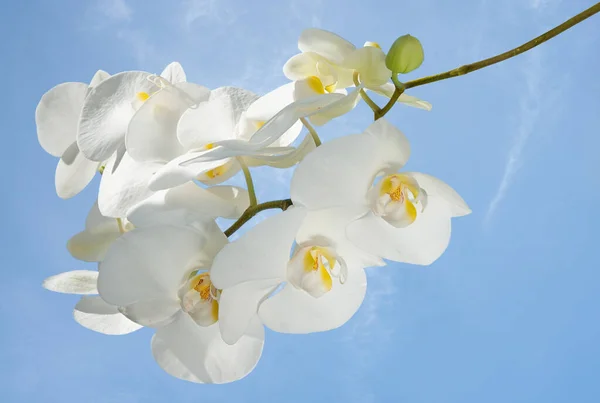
<point x="317" y="86"/>
<point x="200" y="299"/>
<point x="216" y="172"/>
<point x="142" y="96"/>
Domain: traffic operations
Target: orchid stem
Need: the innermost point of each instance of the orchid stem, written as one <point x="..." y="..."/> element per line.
<point x="393" y="99"/>
<point x="468" y="68"/>
<point x="249" y="182"/>
<point x="312" y="131"/>
<point x="363" y="94"/>
<point x="253" y="210"/>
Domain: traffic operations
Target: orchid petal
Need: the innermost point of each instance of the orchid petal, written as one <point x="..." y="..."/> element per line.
<point x="82" y="282"/>
<point x="174" y="73"/>
<point x="261" y="253"/>
<point x="327" y="44"/>
<point x="198" y="354"/>
<point x="93" y="313"/>
<point x="73" y="172"/>
<point x="295" y="311"/>
<point x="57" y="116"/>
<point x="341" y="171"/>
<point x="107" y="111"/>
<point x="422" y="242"/>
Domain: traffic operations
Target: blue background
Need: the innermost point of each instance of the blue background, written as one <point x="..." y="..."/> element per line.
<point x="508" y="314"/>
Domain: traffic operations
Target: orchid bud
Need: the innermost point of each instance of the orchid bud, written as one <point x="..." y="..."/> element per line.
<point x="405" y="55"/>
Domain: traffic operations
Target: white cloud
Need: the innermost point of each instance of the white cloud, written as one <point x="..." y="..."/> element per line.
<point x="529" y="111"/>
<point x="211" y="10"/>
<point x="141" y="48"/>
<point x="114" y="10"/>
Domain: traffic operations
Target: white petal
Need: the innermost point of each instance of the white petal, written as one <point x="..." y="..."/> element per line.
<point x="267" y="106"/>
<point x="326" y="44"/>
<point x="188" y="202"/>
<point x="96" y="223"/>
<point x="197" y="354"/>
<point x="301" y="66"/>
<point x="274" y="128"/>
<point x="93" y="313"/>
<point x="81" y="282"/>
<point x="238" y="305"/>
<point x="388" y="90"/>
<point x="336" y="109"/>
<point x="174" y="73"/>
<point x="369" y="62"/>
<point x="123" y="188"/>
<point x="73" y="172"/>
<point x="91" y="247"/>
<point x="215" y="119"/>
<point x="100" y="76"/>
<point x="437" y="188"/>
<point x="330" y="225"/>
<point x="57" y="116"/>
<point x="296" y="311"/>
<point x="341" y="171"/>
<point x="152" y="132"/>
<point x="107" y="111"/>
<point x="152" y="313"/>
<point x="232" y="196"/>
<point x="261" y="253"/>
<point x="151" y="263"/>
<point x="182" y="170"/>
<point x="286" y="160"/>
<point x="422" y="242"/>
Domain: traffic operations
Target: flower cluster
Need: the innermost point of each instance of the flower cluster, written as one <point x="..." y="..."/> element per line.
<point x="164" y="146"/>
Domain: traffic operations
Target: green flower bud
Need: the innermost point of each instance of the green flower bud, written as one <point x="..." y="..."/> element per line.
<point x="405" y="55"/>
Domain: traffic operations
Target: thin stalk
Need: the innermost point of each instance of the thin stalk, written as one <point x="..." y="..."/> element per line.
<point x="312" y="131"/>
<point x="468" y="68"/>
<point x="253" y="210"/>
<point x="249" y="182"/>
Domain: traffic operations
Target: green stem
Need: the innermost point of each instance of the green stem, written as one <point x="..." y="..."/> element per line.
<point x="393" y="99"/>
<point x="312" y="131"/>
<point x="468" y="68"/>
<point x="363" y="94"/>
<point x="253" y="210"/>
<point x="249" y="182"/>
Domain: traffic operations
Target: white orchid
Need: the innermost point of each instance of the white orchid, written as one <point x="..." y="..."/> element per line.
<point x="401" y="216"/>
<point x="56" y="118"/>
<point x="110" y="105"/>
<point x="91" y="244"/>
<point x="327" y="65"/>
<point x="160" y="274"/>
<point x="216" y="131"/>
<point x="165" y="146"/>
<point x="91" y="311"/>
<point x="323" y="282"/>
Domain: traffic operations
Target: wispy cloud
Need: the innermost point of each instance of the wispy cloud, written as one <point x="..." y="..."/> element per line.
<point x="528" y="115"/>
<point x="195" y="11"/>
<point x="115" y="10"/>
<point x="141" y="47"/>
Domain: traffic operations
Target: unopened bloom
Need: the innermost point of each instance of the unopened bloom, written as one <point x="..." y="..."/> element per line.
<point x="405" y="55"/>
<point x="296" y="269"/>
<point x="401" y="216"/>
<point x="56" y="118"/>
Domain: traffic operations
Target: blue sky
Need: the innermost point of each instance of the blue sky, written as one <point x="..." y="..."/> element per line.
<point x="508" y="314"/>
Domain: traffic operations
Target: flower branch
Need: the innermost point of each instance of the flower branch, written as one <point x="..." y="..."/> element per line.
<point x="251" y="211"/>
<point x="468" y="68"/>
